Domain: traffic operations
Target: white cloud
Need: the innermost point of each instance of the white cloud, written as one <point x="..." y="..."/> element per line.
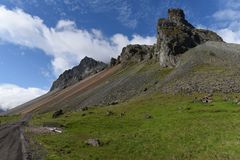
<point x="121" y="41"/>
<point x="227" y="20"/>
<point x="13" y="95"/>
<point x="65" y="43"/>
<point x="227" y="14"/>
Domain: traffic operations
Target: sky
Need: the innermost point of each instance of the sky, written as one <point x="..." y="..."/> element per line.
<point x="41" y="39"/>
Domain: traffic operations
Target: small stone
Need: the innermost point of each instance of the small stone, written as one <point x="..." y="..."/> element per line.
<point x="84" y="109"/>
<point x="147" y="116"/>
<point x="122" y="114"/>
<point x="93" y="142"/>
<point x="109" y="113"/>
<point x="113" y="103"/>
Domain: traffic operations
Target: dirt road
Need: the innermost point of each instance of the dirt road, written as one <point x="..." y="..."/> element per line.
<point x="12" y="142"/>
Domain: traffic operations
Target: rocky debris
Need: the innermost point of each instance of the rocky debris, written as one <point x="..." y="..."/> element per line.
<point x="45" y="130"/>
<point x="147" y="116"/>
<point x="93" y="142"/>
<point x="57" y="113"/>
<point x="207" y="99"/>
<point x="176" y="35"/>
<point x="122" y="114"/>
<point x="83" y="109"/>
<point x="136" y="53"/>
<point x="113" y="103"/>
<point x="109" y="113"/>
<point x="87" y="67"/>
<point x="113" y="62"/>
<point x="236" y="100"/>
<point x="145" y="89"/>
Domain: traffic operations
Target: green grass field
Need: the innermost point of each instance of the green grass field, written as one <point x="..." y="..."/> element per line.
<point x="179" y="129"/>
<point x="9" y="119"/>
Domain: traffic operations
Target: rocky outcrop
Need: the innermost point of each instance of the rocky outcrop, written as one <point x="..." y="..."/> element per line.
<point x="113" y="62"/>
<point x="176" y="35"/>
<point x="87" y="67"/>
<point x="136" y="53"/>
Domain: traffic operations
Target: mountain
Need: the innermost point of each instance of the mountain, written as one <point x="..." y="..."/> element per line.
<point x="184" y="59"/>
<point x="87" y="67"/>
<point x="176" y="35"/>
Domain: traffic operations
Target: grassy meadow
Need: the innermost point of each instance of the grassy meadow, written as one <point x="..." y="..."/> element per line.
<point x="158" y="126"/>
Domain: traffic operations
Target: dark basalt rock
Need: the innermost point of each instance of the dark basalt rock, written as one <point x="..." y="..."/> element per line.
<point x="176" y="35"/>
<point x="113" y="62"/>
<point x="87" y="67"/>
<point x="136" y="53"/>
<point x="57" y="113"/>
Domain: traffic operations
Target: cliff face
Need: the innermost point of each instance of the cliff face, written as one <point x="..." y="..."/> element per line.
<point x="176" y="35"/>
<point x="87" y="67"/>
<point x="136" y="53"/>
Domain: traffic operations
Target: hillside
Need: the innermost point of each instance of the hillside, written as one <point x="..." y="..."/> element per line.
<point x="139" y="70"/>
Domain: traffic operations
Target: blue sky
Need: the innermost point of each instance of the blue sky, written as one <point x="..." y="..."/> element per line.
<point x="40" y="39"/>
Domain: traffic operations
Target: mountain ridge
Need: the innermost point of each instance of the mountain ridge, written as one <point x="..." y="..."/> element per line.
<point x="139" y="70"/>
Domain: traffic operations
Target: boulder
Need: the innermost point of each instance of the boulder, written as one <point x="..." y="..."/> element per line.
<point x="113" y="62"/>
<point x="176" y="35"/>
<point x="57" y="113"/>
<point x="93" y="142"/>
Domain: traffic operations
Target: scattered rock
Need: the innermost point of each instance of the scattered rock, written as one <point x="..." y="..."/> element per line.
<point x="122" y="114"/>
<point x="145" y="89"/>
<point x="109" y="113"/>
<point x="207" y="99"/>
<point x="93" y="142"/>
<point x="44" y="130"/>
<point x="195" y="100"/>
<point x="57" y="113"/>
<point x="236" y="100"/>
<point x="147" y="116"/>
<point x="83" y="109"/>
<point x="113" y="103"/>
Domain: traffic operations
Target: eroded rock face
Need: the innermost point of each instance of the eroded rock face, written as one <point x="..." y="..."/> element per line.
<point x="87" y="67"/>
<point x="136" y="53"/>
<point x="113" y="62"/>
<point x="176" y="35"/>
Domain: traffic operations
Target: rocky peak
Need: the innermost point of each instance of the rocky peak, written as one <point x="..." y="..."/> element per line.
<point x="176" y="35"/>
<point x="88" y="66"/>
<point x="136" y="53"/>
<point x="177" y="16"/>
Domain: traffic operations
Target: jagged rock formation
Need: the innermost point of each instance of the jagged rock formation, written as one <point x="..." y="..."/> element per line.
<point x="87" y="67"/>
<point x="176" y="35"/>
<point x="136" y="53"/>
<point x="113" y="62"/>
